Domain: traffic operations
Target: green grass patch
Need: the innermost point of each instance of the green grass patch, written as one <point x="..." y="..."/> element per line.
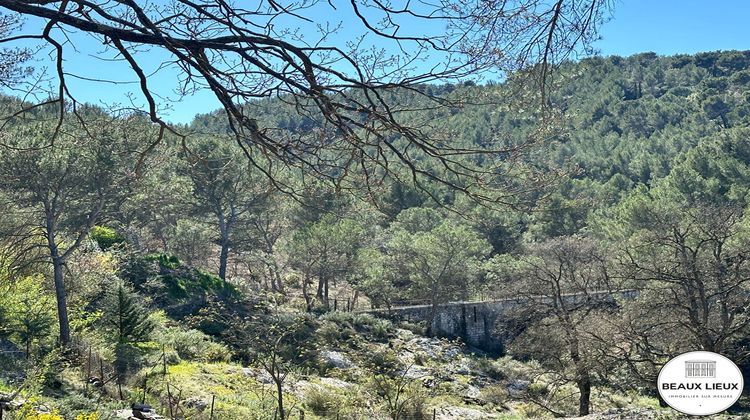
<point x="236" y="395"/>
<point x="182" y="281"/>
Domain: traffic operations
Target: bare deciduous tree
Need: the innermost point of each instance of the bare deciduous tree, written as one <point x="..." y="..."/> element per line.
<point x="692" y="265"/>
<point x="336" y="62"/>
<point x="569" y="285"/>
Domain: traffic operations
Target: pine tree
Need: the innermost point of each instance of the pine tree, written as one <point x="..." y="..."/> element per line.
<point x="126" y="317"/>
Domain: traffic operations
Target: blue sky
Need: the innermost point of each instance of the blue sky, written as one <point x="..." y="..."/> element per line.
<point x="663" y="26"/>
<point x="670" y="27"/>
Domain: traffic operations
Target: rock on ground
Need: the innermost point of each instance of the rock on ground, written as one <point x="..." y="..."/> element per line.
<point x="445" y="413"/>
<point x="417" y="372"/>
<point x="335" y="383"/>
<point x="336" y="359"/>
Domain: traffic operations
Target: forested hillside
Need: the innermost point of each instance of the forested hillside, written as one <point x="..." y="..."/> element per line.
<point x="240" y="281"/>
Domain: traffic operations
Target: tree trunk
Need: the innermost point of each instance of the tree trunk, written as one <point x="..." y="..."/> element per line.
<point x="319" y="293"/>
<point x="223" y="257"/>
<point x="280" y="393"/>
<point x="583" y="379"/>
<point x="584" y="387"/>
<point x="308" y="301"/>
<point x="354" y="300"/>
<point x="57" y="268"/>
<point x="224" y="230"/>
<point x="277" y="378"/>
<point x="724" y="121"/>
<point x="277" y="277"/>
<point x="431" y="319"/>
<point x="164" y="242"/>
<point x="61" y="296"/>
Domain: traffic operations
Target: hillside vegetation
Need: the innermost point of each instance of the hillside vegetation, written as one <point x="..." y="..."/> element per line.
<point x="191" y="280"/>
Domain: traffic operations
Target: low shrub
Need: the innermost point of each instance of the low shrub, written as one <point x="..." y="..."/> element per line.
<point x="194" y="345"/>
<point x="490" y="368"/>
<point x="495" y="394"/>
<point x="417" y="328"/>
<point x="164" y="260"/>
<point x="105" y="237"/>
<point x="507" y="367"/>
<point x="401" y="398"/>
<point x="322" y="402"/>
<point x="341" y="318"/>
<point x="532" y="411"/>
<point x="349" y="323"/>
<point x="538" y="389"/>
<point x="380" y="330"/>
<point x="383" y="361"/>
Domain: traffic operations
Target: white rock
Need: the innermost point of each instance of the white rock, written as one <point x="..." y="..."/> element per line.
<point x="259" y="375"/>
<point x="125" y="413"/>
<point x="335" y="383"/>
<point x="517" y="387"/>
<point x="472" y="392"/>
<point x="446" y="413"/>
<point x="336" y="359"/>
<point x="417" y="372"/>
<point x="404" y="334"/>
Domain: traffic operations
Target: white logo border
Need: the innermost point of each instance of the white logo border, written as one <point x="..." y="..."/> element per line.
<point x="739" y="372"/>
